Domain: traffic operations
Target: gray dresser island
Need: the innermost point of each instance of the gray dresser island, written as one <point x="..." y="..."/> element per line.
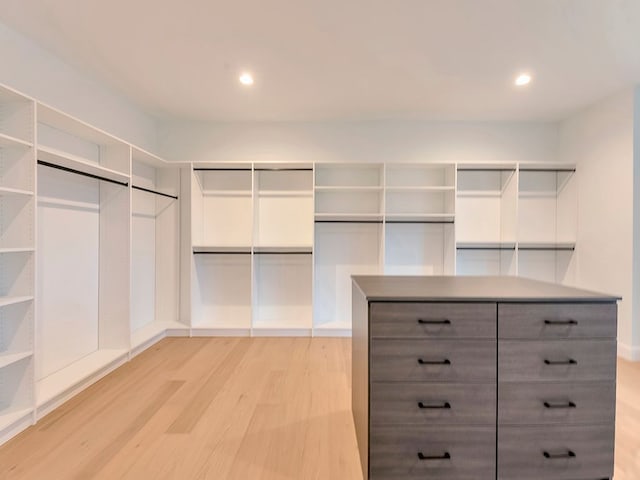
<point x="478" y="378"/>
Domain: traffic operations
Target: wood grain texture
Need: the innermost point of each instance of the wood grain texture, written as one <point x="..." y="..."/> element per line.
<point x="284" y="414"/>
<point x="433" y="320"/>
<point x="553" y="320"/>
<point x="203" y="408"/>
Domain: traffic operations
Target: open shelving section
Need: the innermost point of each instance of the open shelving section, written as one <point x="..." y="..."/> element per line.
<point x="155" y="248"/>
<point x="349" y="215"/>
<point x="486" y="219"/>
<point x="252" y="245"/>
<point x="420" y="211"/>
<point x="547" y="221"/>
<point x="17" y="261"/>
<point x="83" y="184"/>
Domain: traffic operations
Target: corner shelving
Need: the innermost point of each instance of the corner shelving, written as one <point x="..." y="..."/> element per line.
<point x="486" y="219"/>
<point x="155" y="236"/>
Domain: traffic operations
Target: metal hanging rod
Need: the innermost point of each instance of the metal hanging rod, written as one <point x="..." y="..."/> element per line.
<point x="222" y="252"/>
<point x="142" y="189"/>
<point x="525" y="169"/>
<point x="84" y="174"/>
<point x="225" y="169"/>
<point x="283" y="253"/>
<point x="435" y="222"/>
<point x="466" y="169"/>
<point x="349" y="221"/>
<point x="487" y="248"/>
<point x="284" y="169"/>
<point x="549" y="249"/>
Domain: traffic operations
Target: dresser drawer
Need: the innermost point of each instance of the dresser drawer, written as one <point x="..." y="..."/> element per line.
<point x="556" y="360"/>
<point x="450" y="361"/>
<point x="556" y="403"/>
<point x="448" y="453"/>
<point x="555" y="453"/>
<point x="433" y="320"/>
<point x="433" y="404"/>
<point x="557" y="320"/>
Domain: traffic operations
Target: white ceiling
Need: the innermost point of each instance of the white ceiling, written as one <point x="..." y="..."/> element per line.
<point x="346" y="59"/>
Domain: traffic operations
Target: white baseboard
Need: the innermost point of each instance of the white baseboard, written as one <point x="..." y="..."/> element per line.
<point x="628" y="352"/>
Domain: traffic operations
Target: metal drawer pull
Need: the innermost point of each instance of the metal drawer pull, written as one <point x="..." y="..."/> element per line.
<point x="424" y="321"/>
<point x="560" y="405"/>
<point x="441" y="405"/>
<point x="553" y="456"/>
<point x="422" y="361"/>
<point x="444" y="456"/>
<point x="571" y="361"/>
<point x="561" y="322"/>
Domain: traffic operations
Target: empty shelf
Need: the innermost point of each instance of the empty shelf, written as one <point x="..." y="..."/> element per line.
<point x="15" y="191"/>
<point x="4" y="301"/>
<point x="348" y="217"/>
<point x="292" y="249"/>
<point x="420" y="218"/>
<point x="65" y="160"/>
<point x="9" y="141"/>
<point x="202" y="249"/>
<point x="17" y="250"/>
<point x="7" y="359"/>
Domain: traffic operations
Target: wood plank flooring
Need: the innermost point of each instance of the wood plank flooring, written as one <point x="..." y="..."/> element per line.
<point x="229" y="408"/>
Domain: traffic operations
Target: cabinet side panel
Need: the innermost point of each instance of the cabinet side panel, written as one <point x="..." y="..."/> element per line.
<point x="360" y="374"/>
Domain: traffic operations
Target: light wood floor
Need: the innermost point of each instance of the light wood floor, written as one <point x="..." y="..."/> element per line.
<point x="206" y="408"/>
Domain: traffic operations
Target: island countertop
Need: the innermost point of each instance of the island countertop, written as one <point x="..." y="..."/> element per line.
<point x="470" y="289"/>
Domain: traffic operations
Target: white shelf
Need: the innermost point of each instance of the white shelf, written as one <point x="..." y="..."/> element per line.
<point x="410" y="189"/>
<point x="5" y="301"/>
<point x="347" y="189"/>
<point x="13" y="416"/>
<point x="417" y="217"/>
<point x="283" y="249"/>
<point x="148" y="158"/>
<point x="480" y="193"/>
<point x="546" y="246"/>
<point x="152" y="330"/>
<point x="17" y="250"/>
<point x="486" y="245"/>
<point x="15" y="191"/>
<point x="10" y="141"/>
<point x="7" y="359"/>
<point x="285" y="193"/>
<point x="227" y="193"/>
<point x="221" y="249"/>
<point x="348" y="217"/>
<point x="66" y="160"/>
<point x="65" y="379"/>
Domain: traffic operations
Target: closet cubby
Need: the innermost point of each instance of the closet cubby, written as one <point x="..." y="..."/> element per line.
<point x="222" y="202"/>
<point x="342" y="249"/>
<point x="486" y="219"/>
<point x="16" y="119"/>
<point x="419" y="248"/>
<point x="547" y="221"/>
<point x="348" y="192"/>
<point x="155" y="234"/>
<point x="84" y="256"/>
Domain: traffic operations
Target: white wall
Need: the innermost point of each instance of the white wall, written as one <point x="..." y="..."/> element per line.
<point x="28" y="68"/>
<point x="600" y="141"/>
<point x="370" y="141"/>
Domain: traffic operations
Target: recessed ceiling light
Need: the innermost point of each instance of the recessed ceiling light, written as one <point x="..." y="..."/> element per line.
<point x="246" y="79"/>
<point x="523" y="79"/>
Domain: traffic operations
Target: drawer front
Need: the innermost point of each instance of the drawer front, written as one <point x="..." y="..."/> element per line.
<point x="452" y="453"/>
<point x="556" y="360"/>
<point x="449" y="361"/>
<point x="557" y="320"/>
<point x="432" y="404"/>
<point x="556" y="403"/>
<point x="555" y="453"/>
<point x="433" y="320"/>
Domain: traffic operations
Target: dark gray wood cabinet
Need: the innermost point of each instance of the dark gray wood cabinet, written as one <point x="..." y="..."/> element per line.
<point x="483" y="378"/>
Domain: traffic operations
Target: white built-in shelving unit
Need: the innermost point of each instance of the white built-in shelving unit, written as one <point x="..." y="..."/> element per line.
<point x="547" y="222"/>
<point x="86" y="282"/>
<point x="155" y="245"/>
<point x="17" y="261"/>
<point x="106" y="248"/>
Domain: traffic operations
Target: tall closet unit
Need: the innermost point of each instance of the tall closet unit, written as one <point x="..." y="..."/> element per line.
<point x="250" y="272"/>
<point x="155" y="247"/>
<point x="17" y="261"/>
<point x="89" y="256"/>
